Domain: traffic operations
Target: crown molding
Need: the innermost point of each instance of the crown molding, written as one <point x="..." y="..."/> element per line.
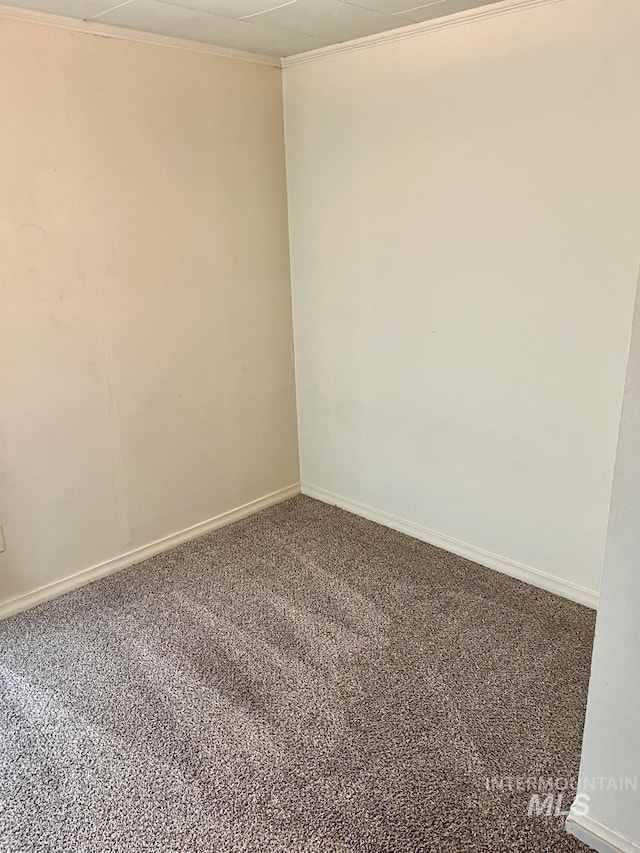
<point x="93" y="28"/>
<point x="458" y="19"/>
<point x="17" y="13"/>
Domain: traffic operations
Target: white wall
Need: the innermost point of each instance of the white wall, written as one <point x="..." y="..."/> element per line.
<point x="146" y="369"/>
<point x="464" y="210"/>
<point x="611" y="747"/>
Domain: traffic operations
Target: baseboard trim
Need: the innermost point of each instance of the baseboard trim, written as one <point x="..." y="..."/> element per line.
<point x="598" y="836"/>
<point x="137" y="555"/>
<point x="532" y="576"/>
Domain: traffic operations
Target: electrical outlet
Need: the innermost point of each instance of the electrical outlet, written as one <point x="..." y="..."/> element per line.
<point x="1" y="540"/>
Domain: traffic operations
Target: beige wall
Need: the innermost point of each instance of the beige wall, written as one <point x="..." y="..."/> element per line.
<point x="146" y="377"/>
<point x="464" y="210"/>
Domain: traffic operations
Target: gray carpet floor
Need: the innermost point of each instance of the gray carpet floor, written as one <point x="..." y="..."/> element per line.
<point x="303" y="680"/>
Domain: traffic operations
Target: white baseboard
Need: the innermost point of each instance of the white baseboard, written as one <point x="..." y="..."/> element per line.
<point x="598" y="836"/>
<point x="130" y="558"/>
<point x="566" y="589"/>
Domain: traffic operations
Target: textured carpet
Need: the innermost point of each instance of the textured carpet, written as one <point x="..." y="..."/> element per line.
<point x="303" y="680"/>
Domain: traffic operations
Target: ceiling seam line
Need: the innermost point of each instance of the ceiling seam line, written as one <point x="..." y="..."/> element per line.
<point x="265" y="11"/>
<point x="110" y="9"/>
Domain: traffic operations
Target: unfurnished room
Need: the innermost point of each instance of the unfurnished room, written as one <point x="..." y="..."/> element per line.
<point x="319" y="426"/>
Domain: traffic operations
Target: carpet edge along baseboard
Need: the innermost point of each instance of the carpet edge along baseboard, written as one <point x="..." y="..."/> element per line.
<point x="130" y="558"/>
<point x="534" y="577"/>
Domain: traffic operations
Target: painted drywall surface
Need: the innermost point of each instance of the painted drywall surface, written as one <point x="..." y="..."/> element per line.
<point x="464" y="210"/>
<point x="145" y="320"/>
<point x="611" y="747"/>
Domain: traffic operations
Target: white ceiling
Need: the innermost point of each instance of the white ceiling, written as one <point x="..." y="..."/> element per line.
<point x="273" y="27"/>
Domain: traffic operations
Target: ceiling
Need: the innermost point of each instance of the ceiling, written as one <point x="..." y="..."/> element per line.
<point x="273" y="27"/>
